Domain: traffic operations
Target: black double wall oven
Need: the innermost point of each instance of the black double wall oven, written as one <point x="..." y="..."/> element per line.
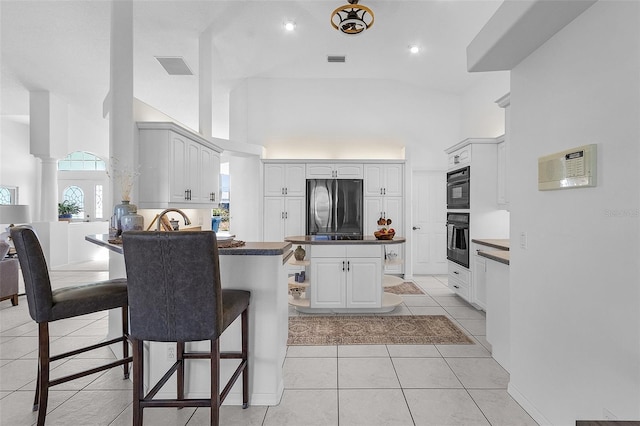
<point x="458" y="198"/>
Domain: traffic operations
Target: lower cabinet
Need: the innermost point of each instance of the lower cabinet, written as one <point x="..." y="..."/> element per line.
<point x="346" y="276"/>
<point x="459" y="280"/>
<point x="479" y="288"/>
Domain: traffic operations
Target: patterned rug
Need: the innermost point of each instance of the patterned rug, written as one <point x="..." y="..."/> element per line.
<point x="374" y="330"/>
<point x="404" y="288"/>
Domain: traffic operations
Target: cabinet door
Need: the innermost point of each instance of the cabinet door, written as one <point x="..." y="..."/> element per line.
<point x="295" y="182"/>
<point x="364" y="283"/>
<point x="178" y="157"/>
<point x="274" y="180"/>
<point x="479" y="287"/>
<point x="503" y="196"/>
<point x="273" y="225"/>
<point x="392" y="209"/>
<point x="349" y="171"/>
<point x="328" y="282"/>
<point x="320" y="171"/>
<point x="373" y="180"/>
<point x="393" y="180"/>
<point x="192" y="172"/>
<point x="373" y="210"/>
<point x="294" y="216"/>
<point x="209" y="176"/>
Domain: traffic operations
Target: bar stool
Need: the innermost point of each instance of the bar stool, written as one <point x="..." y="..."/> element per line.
<point x="175" y="295"/>
<point x="46" y="306"/>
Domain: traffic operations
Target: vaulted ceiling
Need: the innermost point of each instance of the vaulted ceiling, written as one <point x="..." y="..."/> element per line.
<point x="63" y="47"/>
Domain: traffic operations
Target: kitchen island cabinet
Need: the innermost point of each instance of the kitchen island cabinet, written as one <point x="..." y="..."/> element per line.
<point x="260" y="268"/>
<point x="345" y="276"/>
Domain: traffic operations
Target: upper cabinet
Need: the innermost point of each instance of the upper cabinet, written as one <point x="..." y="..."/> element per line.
<point x="178" y="168"/>
<point x="503" y="154"/>
<point x="383" y="179"/>
<point x="334" y="171"/>
<point x="283" y="179"/>
<point x="459" y="158"/>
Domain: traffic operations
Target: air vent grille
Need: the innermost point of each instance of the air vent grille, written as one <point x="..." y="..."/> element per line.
<point x="174" y="65"/>
<point x="336" y="58"/>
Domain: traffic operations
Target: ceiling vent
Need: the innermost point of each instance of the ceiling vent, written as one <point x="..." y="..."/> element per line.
<point x="336" y="58"/>
<point x="174" y="65"/>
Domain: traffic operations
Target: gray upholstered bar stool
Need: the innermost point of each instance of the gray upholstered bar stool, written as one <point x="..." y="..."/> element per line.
<point x="46" y="306"/>
<point x="175" y="295"/>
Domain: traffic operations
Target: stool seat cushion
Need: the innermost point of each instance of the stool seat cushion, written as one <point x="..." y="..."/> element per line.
<point x="88" y="298"/>
<point x="233" y="303"/>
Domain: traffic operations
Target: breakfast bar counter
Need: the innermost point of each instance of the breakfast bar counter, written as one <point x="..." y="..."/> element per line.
<point x="258" y="267"/>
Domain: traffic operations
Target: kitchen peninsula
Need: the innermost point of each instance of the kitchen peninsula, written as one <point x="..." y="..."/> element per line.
<point x="260" y="268"/>
<point x="344" y="275"/>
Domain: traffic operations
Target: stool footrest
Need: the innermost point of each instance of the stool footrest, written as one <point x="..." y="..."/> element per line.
<point x="182" y="403"/>
<point x="233" y="379"/>
<point x="91" y="371"/>
<point x="207" y="355"/>
<point x="88" y="348"/>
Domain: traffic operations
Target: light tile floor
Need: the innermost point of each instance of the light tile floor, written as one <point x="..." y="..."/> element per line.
<point x="324" y="385"/>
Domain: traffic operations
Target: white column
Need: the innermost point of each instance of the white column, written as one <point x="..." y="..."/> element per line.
<point x="205" y="82"/>
<point x="49" y="187"/>
<point x="122" y="144"/>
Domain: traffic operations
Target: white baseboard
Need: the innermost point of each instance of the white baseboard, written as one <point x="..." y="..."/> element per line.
<point x="528" y="406"/>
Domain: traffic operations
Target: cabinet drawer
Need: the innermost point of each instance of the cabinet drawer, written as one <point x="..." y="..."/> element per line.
<point x="373" y="250"/>
<point x="460" y="288"/>
<point x="459" y="273"/>
<point x="328" y="250"/>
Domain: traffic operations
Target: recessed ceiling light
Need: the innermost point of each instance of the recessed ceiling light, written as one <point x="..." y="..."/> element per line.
<point x="414" y="49"/>
<point x="289" y="26"/>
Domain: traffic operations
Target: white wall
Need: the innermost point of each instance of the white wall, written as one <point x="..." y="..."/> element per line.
<point x="481" y="116"/>
<point x="575" y="298"/>
<point x="17" y="166"/>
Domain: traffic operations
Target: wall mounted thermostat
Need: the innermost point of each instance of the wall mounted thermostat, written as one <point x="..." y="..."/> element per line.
<point x="573" y="168"/>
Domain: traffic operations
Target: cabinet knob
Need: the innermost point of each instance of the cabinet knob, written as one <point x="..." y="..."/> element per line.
<point x="286" y="191"/>
<point x="384" y="191"/>
<point x="456" y="272"/>
<point x="343" y="265"/>
<point x="348" y="265"/>
<point x="415" y="228"/>
<point x="455" y="286"/>
<point x="380" y="191"/>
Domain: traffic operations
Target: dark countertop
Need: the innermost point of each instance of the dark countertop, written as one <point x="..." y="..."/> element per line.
<point x="501" y="256"/>
<point x="500" y="244"/>
<point x="249" y="249"/>
<point x="317" y="240"/>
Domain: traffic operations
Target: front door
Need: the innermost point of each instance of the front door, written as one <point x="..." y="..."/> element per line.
<point x="428" y="227"/>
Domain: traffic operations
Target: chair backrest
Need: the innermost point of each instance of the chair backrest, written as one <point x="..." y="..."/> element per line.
<point x="174" y="285"/>
<point x="35" y="273"/>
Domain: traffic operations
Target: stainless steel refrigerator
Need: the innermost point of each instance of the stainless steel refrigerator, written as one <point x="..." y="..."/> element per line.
<point x="334" y="207"/>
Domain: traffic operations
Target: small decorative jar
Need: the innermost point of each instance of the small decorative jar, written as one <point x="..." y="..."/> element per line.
<point x="120" y="210"/>
<point x="299" y="253"/>
<point x="131" y="221"/>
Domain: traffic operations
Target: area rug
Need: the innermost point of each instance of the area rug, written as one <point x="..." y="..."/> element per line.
<point x="374" y="330"/>
<point x="404" y="288"/>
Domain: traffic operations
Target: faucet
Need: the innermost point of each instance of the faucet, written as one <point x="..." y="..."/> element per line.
<point x="186" y="219"/>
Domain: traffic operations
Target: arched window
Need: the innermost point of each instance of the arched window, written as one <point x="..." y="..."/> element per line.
<point x="6" y="195"/>
<point x="81" y="160"/>
<point x="75" y="194"/>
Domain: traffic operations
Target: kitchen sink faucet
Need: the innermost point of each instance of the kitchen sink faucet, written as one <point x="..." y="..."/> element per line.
<point x="186" y="219"/>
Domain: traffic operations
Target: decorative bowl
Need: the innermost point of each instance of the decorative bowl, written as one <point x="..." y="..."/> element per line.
<point x="386" y="236"/>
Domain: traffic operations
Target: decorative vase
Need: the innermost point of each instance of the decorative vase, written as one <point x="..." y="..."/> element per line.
<point x="299" y="253"/>
<point x="121" y="210"/>
<point x="215" y="223"/>
<point x="132" y="221"/>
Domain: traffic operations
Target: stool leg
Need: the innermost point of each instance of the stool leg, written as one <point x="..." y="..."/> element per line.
<point x="215" y="382"/>
<point x="180" y="359"/>
<point x="42" y="387"/>
<point x="138" y="380"/>
<point x="14" y="300"/>
<point x="125" y="342"/>
<point x="245" y="358"/>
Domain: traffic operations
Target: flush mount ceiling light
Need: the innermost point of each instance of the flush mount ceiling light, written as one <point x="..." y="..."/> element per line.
<point x="289" y="26"/>
<point x="352" y="18"/>
<point x="414" y="49"/>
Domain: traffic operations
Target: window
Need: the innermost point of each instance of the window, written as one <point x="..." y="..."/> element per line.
<point x="81" y="160"/>
<point x="7" y="195"/>
<point x="74" y="194"/>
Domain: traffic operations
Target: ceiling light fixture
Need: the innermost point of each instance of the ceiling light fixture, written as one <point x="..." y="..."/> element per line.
<point x="414" y="49"/>
<point x="352" y="18"/>
<point x="289" y="26"/>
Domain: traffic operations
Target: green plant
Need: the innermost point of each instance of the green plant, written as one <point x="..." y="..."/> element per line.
<point x="68" y="207"/>
<point x="220" y="212"/>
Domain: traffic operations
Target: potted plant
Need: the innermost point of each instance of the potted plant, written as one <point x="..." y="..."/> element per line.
<point x="67" y="209"/>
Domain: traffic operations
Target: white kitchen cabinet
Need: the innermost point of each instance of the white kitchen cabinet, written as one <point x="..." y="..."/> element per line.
<point x="284" y="179"/>
<point x="499" y="313"/>
<point x="459" y="158"/>
<point x="459" y="280"/>
<point x="283" y="216"/>
<point x="334" y="171"/>
<point x="383" y="180"/>
<point x="503" y="193"/>
<point x="479" y="287"/>
<point x="178" y="168"/>
<point x="385" y="207"/>
<point x="346" y="276"/>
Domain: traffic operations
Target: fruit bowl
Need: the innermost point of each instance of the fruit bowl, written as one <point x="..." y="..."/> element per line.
<point x="384" y="235"/>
